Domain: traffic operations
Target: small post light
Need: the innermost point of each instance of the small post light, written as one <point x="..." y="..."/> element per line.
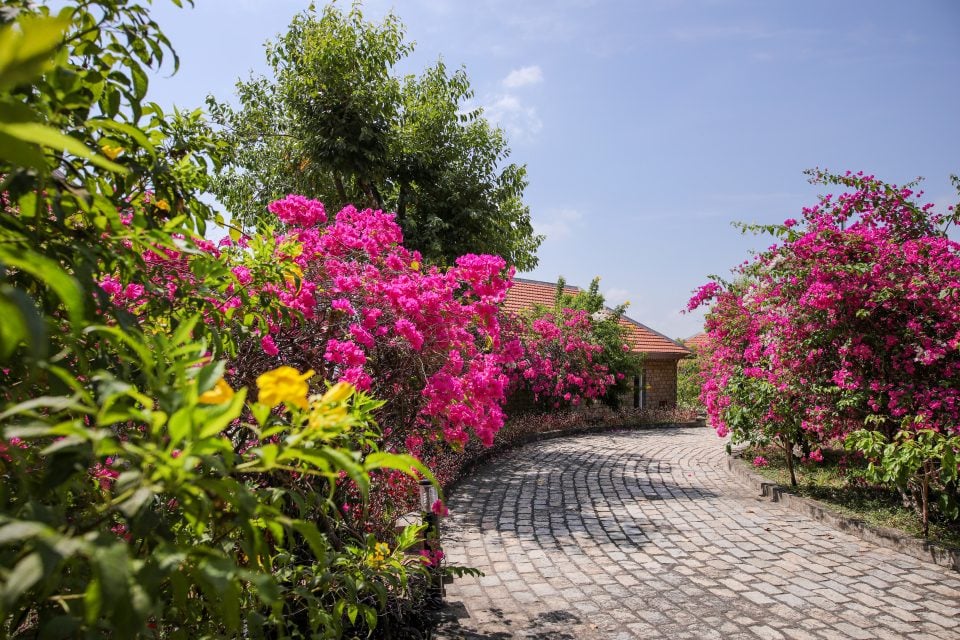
<point x="428" y="496"/>
<point x="431" y="534"/>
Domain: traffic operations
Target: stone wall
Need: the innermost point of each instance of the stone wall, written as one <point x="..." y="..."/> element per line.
<point x="661" y="379"/>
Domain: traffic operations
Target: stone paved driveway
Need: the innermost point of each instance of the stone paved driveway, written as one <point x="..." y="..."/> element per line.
<point x="645" y="534"/>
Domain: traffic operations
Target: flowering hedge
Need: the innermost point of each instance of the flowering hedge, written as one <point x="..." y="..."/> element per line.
<point x="851" y="322"/>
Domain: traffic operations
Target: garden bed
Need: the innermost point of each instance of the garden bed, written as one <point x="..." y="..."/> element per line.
<point x="837" y="486"/>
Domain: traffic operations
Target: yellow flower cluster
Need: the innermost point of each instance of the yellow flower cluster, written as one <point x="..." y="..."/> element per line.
<point x="380" y="552"/>
<point x="284" y="384"/>
<point x="221" y="393"/>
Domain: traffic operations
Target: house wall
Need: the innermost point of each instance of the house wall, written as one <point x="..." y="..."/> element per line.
<point x="661" y="379"/>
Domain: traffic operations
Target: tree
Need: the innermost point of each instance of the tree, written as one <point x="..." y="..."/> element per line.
<point x="852" y="320"/>
<point x="336" y="123"/>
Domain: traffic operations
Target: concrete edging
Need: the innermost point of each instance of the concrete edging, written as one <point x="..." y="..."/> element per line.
<point x="880" y="536"/>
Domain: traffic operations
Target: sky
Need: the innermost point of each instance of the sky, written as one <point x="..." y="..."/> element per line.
<point x="648" y="126"/>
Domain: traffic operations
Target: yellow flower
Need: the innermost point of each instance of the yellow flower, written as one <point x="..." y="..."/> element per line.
<point x="337" y="393"/>
<point x="329" y="409"/>
<point x="284" y="384"/>
<point x="220" y="393"/>
<point x="380" y="552"/>
<point x="162" y="204"/>
<point x="415" y="265"/>
<point x="111" y="151"/>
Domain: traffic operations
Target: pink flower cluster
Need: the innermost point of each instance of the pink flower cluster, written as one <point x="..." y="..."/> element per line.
<point x="426" y="339"/>
<point x="553" y="357"/>
<point x="298" y="211"/>
<point x="857" y="315"/>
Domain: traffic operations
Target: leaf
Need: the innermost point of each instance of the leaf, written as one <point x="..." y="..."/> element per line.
<point x="139" y="81"/>
<point x="18" y="532"/>
<point x="27" y="47"/>
<point x="180" y="425"/>
<point x="49" y="273"/>
<point x="20" y="153"/>
<point x="318" y="544"/>
<point x="123" y="128"/>
<point x="132" y="505"/>
<point x="217" y="417"/>
<point x="50" y="403"/>
<point x="27" y="572"/>
<point x="45" y="136"/>
<point x="21" y="324"/>
<point x="208" y="375"/>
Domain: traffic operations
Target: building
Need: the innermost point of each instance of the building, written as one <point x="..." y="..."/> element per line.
<point x="656" y="386"/>
<point x="697" y="341"/>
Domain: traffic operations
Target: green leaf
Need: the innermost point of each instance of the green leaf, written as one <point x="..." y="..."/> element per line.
<point x="21" y="324"/>
<point x="180" y="425"/>
<point x="209" y="375"/>
<point x="49" y="273"/>
<point x="132" y="505"/>
<point x="27" y="47"/>
<point x="123" y="128"/>
<point x="25" y="574"/>
<point x="45" y="136"/>
<point x="17" y="533"/>
<point x="217" y="417"/>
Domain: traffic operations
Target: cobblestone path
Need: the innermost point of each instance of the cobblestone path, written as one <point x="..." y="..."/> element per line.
<point x="645" y="534"/>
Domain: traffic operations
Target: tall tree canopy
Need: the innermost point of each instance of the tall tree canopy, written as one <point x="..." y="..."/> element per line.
<point x="338" y="124"/>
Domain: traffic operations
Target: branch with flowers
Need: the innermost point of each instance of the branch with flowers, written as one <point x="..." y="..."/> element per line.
<point x="849" y="328"/>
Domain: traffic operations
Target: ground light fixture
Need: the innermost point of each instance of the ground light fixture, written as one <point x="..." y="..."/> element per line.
<point x="431" y="533"/>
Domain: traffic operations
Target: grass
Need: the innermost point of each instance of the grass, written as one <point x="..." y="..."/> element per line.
<point x="840" y="482"/>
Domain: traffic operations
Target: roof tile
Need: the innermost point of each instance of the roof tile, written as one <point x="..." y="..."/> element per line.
<point x="641" y="338"/>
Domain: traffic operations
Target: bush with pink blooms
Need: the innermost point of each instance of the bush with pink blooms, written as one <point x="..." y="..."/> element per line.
<point x="571" y="353"/>
<point x="850" y="322"/>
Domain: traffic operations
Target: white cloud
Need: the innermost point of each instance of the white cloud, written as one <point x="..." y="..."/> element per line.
<point x="615" y="295"/>
<point x="523" y="76"/>
<point x="557" y="224"/>
<point x="520" y="121"/>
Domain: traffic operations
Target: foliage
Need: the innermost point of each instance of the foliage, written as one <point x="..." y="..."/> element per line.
<point x="608" y="332"/>
<point x="143" y="492"/>
<point x="841" y="480"/>
<point x="854" y="317"/>
<point x="916" y="460"/>
<point x="689" y="382"/>
<point x="338" y="124"/>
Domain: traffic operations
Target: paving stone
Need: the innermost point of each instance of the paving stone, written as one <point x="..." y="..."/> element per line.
<point x="645" y="534"/>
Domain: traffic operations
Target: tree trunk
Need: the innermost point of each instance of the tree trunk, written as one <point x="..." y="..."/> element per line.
<point x="925" y="499"/>
<point x="402" y="203"/>
<point x="788" y="450"/>
<point x="341" y="192"/>
<point x="378" y="199"/>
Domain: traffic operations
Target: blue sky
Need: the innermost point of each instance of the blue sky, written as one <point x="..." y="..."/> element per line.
<point x="647" y="126"/>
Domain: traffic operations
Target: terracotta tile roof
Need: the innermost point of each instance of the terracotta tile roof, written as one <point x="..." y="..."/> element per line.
<point x="696" y="341"/>
<point x="526" y="293"/>
<point x="641" y="338"/>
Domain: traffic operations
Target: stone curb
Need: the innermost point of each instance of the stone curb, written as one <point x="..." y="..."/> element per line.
<point x="880" y="536"/>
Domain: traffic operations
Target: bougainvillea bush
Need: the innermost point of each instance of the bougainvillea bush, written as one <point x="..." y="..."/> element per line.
<point x="570" y="353"/>
<point x="850" y="322"/>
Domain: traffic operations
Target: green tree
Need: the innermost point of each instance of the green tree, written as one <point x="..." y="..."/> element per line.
<point x="338" y="124"/>
<point x="689" y="382"/>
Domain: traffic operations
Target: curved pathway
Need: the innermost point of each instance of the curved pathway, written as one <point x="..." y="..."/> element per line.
<point x="645" y="534"/>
